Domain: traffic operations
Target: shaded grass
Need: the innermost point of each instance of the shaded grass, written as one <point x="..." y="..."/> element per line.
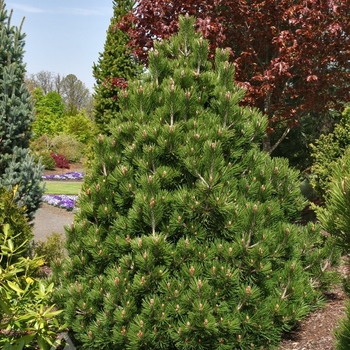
<point x="63" y="187"/>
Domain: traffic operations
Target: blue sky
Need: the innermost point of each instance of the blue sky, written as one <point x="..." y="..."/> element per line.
<point x="63" y="36"/>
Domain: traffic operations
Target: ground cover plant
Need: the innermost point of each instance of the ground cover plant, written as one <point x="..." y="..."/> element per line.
<point x="186" y="234"/>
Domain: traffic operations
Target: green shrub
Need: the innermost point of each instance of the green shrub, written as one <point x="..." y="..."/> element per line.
<point x="51" y="249"/>
<point x="46" y="160"/>
<point x="27" y="316"/>
<point x="327" y="150"/>
<point x="81" y="127"/>
<point x="68" y="146"/>
<point x="14" y="217"/>
<point x="185" y="237"/>
<point x="335" y="219"/>
<point x="335" y="215"/>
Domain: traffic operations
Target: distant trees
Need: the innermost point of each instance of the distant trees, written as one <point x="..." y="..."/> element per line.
<point x="292" y="57"/>
<point x="17" y="165"/>
<point x="74" y="93"/>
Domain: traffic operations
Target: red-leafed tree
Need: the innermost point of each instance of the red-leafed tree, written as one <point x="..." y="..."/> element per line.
<point x="293" y="57"/>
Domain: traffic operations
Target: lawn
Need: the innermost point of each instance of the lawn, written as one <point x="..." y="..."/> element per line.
<point x="62" y="187"/>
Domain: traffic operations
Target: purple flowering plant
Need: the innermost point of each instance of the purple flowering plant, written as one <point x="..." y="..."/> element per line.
<point x="73" y="175"/>
<point x="62" y="201"/>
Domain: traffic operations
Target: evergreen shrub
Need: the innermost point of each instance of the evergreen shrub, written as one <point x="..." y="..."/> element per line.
<point x="334" y="217"/>
<point x="17" y="163"/>
<point x="186" y="236"/>
<point x="326" y="152"/>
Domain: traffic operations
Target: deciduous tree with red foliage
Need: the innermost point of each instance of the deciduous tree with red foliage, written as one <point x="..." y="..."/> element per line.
<point x="293" y="57"/>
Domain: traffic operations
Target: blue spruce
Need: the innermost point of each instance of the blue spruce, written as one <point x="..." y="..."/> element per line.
<point x="17" y="165"/>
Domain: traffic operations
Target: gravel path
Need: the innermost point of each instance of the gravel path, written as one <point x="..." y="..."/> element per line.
<point x="49" y="219"/>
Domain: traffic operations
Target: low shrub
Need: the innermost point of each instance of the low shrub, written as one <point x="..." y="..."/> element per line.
<point x="46" y="160"/>
<point x="327" y="150"/>
<point x="51" y="249"/>
<point x="27" y="316"/>
<point x="68" y="146"/>
<point x="12" y="215"/>
<point x="60" y="160"/>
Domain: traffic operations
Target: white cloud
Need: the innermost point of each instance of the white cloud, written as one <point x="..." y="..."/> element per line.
<point x="84" y="11"/>
<point x="24" y="8"/>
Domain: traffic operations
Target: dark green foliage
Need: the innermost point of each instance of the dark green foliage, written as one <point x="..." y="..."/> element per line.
<point x="326" y="152"/>
<point x="335" y="219"/>
<point x="296" y="146"/>
<point x="185" y="237"/>
<point x="335" y="215"/>
<point x="17" y="165"/>
<point x="115" y="66"/>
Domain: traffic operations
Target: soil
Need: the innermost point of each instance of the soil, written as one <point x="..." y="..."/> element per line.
<point x="316" y="332"/>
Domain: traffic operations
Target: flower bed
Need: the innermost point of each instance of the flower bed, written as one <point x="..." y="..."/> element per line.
<point x="73" y="175"/>
<point x="62" y="201"/>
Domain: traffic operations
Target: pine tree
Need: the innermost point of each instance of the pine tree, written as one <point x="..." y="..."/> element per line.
<point x="186" y="237"/>
<point x="17" y="165"/>
<point x="115" y="66"/>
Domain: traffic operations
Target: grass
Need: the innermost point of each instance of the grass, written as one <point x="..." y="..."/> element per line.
<point x="62" y="187"/>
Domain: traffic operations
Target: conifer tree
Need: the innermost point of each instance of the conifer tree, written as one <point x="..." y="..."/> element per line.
<point x="114" y="67"/>
<point x="17" y="165"/>
<point x="185" y="237"/>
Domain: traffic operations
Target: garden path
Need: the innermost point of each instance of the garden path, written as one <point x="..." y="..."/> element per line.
<point x="49" y="219"/>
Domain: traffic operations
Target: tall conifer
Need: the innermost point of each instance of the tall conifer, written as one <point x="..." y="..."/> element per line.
<point x="114" y="67"/>
<point x="186" y="237"/>
<point x="17" y="165"/>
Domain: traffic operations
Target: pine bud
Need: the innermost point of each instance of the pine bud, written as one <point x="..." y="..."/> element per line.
<point x="200" y="285"/>
<point x="140" y="334"/>
<point x="192" y="271"/>
<point x="248" y="290"/>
